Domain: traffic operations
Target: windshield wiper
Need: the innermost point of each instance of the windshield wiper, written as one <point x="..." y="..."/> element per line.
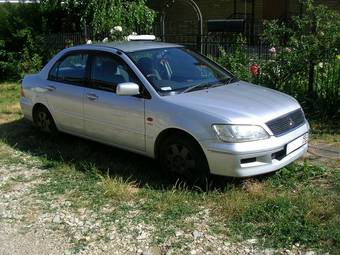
<point x="231" y="80"/>
<point x="210" y="84"/>
<point x="195" y="86"/>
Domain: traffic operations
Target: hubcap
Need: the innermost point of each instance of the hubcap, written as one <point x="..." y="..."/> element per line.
<point x="43" y="121"/>
<point x="179" y="159"/>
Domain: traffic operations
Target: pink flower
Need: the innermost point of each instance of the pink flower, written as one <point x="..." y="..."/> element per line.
<point x="255" y="70"/>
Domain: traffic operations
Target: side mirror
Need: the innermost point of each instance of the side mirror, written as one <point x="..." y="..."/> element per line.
<point x="127" y="89"/>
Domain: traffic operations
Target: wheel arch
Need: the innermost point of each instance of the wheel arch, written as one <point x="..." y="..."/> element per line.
<point x="173" y="131"/>
<point x="37" y="106"/>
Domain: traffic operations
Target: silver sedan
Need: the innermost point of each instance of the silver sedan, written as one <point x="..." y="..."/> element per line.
<point x="166" y="102"/>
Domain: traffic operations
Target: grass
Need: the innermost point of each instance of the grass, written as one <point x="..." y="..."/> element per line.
<point x="298" y="204"/>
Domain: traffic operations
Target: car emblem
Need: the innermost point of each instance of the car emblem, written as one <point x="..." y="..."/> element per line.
<point x="291" y="122"/>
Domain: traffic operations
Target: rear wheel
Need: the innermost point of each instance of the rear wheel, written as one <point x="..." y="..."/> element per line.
<point x="44" y="120"/>
<point x="181" y="155"/>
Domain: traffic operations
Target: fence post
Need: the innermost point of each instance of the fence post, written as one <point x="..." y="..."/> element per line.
<point x="311" y="78"/>
<point x="85" y="31"/>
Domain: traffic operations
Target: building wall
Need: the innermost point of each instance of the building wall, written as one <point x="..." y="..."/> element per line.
<point x="181" y="18"/>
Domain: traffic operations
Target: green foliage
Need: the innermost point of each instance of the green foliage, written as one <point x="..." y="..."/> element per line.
<point x="27" y="59"/>
<point x="7" y="64"/>
<point x="238" y="62"/>
<point x="283" y="219"/>
<point x="302" y="174"/>
<point x="30" y="59"/>
<point x="302" y="46"/>
<point x="312" y="37"/>
<point x="22" y="27"/>
<point x="103" y="15"/>
<point x="304" y="41"/>
<point x="106" y="14"/>
<point x="20" y="47"/>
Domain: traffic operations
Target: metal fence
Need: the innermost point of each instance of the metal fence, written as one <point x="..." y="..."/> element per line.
<point x="58" y="41"/>
<point x="327" y="81"/>
<point x="209" y="44"/>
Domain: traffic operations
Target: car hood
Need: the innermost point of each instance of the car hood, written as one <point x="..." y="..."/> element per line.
<point x="239" y="102"/>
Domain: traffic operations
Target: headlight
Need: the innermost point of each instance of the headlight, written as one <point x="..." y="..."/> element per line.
<point x="239" y="133"/>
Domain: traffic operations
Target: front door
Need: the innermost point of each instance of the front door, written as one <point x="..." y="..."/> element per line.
<point x="113" y="119"/>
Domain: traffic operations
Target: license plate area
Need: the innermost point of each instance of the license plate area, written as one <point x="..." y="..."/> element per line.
<point x="297" y="143"/>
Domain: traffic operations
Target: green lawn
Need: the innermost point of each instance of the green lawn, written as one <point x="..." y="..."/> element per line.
<point x="298" y="204"/>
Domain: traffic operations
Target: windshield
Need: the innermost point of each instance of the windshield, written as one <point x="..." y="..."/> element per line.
<point x="173" y="70"/>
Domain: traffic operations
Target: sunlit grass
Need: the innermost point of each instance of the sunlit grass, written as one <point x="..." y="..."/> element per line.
<point x="119" y="189"/>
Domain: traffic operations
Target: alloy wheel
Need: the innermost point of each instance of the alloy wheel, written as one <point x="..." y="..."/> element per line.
<point x="179" y="159"/>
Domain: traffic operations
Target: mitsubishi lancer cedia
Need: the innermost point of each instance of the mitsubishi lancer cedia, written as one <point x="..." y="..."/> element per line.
<point x="166" y="102"/>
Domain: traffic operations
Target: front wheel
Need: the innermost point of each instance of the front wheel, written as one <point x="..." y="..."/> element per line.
<point x="183" y="156"/>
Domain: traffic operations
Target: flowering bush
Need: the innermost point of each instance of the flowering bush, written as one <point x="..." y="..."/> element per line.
<point x="255" y="70"/>
<point x="301" y="44"/>
<point x="117" y="34"/>
<point x="303" y="59"/>
<point x="301" y="50"/>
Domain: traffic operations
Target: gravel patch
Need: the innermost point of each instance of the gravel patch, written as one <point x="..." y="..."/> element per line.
<point x="29" y="225"/>
<point x="15" y="240"/>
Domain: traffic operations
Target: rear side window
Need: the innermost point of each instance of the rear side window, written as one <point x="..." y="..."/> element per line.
<point x="70" y="69"/>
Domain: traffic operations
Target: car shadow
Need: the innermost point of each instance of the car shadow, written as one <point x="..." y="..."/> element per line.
<point x="63" y="148"/>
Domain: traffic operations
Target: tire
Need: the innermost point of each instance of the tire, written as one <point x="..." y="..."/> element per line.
<point x="181" y="155"/>
<point x="44" y="120"/>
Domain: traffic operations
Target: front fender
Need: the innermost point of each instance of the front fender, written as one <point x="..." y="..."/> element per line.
<point x="166" y="115"/>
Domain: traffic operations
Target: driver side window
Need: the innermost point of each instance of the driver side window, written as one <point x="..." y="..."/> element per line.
<point x="108" y="71"/>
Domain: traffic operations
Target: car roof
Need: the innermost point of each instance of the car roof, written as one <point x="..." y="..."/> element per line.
<point x="132" y="46"/>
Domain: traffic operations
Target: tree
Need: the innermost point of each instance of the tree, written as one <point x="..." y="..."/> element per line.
<point x="103" y="15"/>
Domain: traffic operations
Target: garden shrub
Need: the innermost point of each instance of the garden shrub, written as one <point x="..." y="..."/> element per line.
<point x="20" y="47"/>
<point x="238" y="60"/>
<point x="301" y="46"/>
<point x="7" y="63"/>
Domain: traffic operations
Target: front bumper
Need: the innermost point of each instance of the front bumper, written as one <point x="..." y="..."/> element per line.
<point x="253" y="158"/>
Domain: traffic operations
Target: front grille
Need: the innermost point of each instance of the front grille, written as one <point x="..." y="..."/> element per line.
<point x="287" y="122"/>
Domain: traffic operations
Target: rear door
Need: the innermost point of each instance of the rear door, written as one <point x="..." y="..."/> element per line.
<point x="110" y="118"/>
<point x="65" y="86"/>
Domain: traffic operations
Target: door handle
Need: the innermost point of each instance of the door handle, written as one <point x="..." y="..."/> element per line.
<point x="50" y="88"/>
<point x="91" y="96"/>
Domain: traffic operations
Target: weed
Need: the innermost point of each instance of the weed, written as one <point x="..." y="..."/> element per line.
<point x="119" y="189"/>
